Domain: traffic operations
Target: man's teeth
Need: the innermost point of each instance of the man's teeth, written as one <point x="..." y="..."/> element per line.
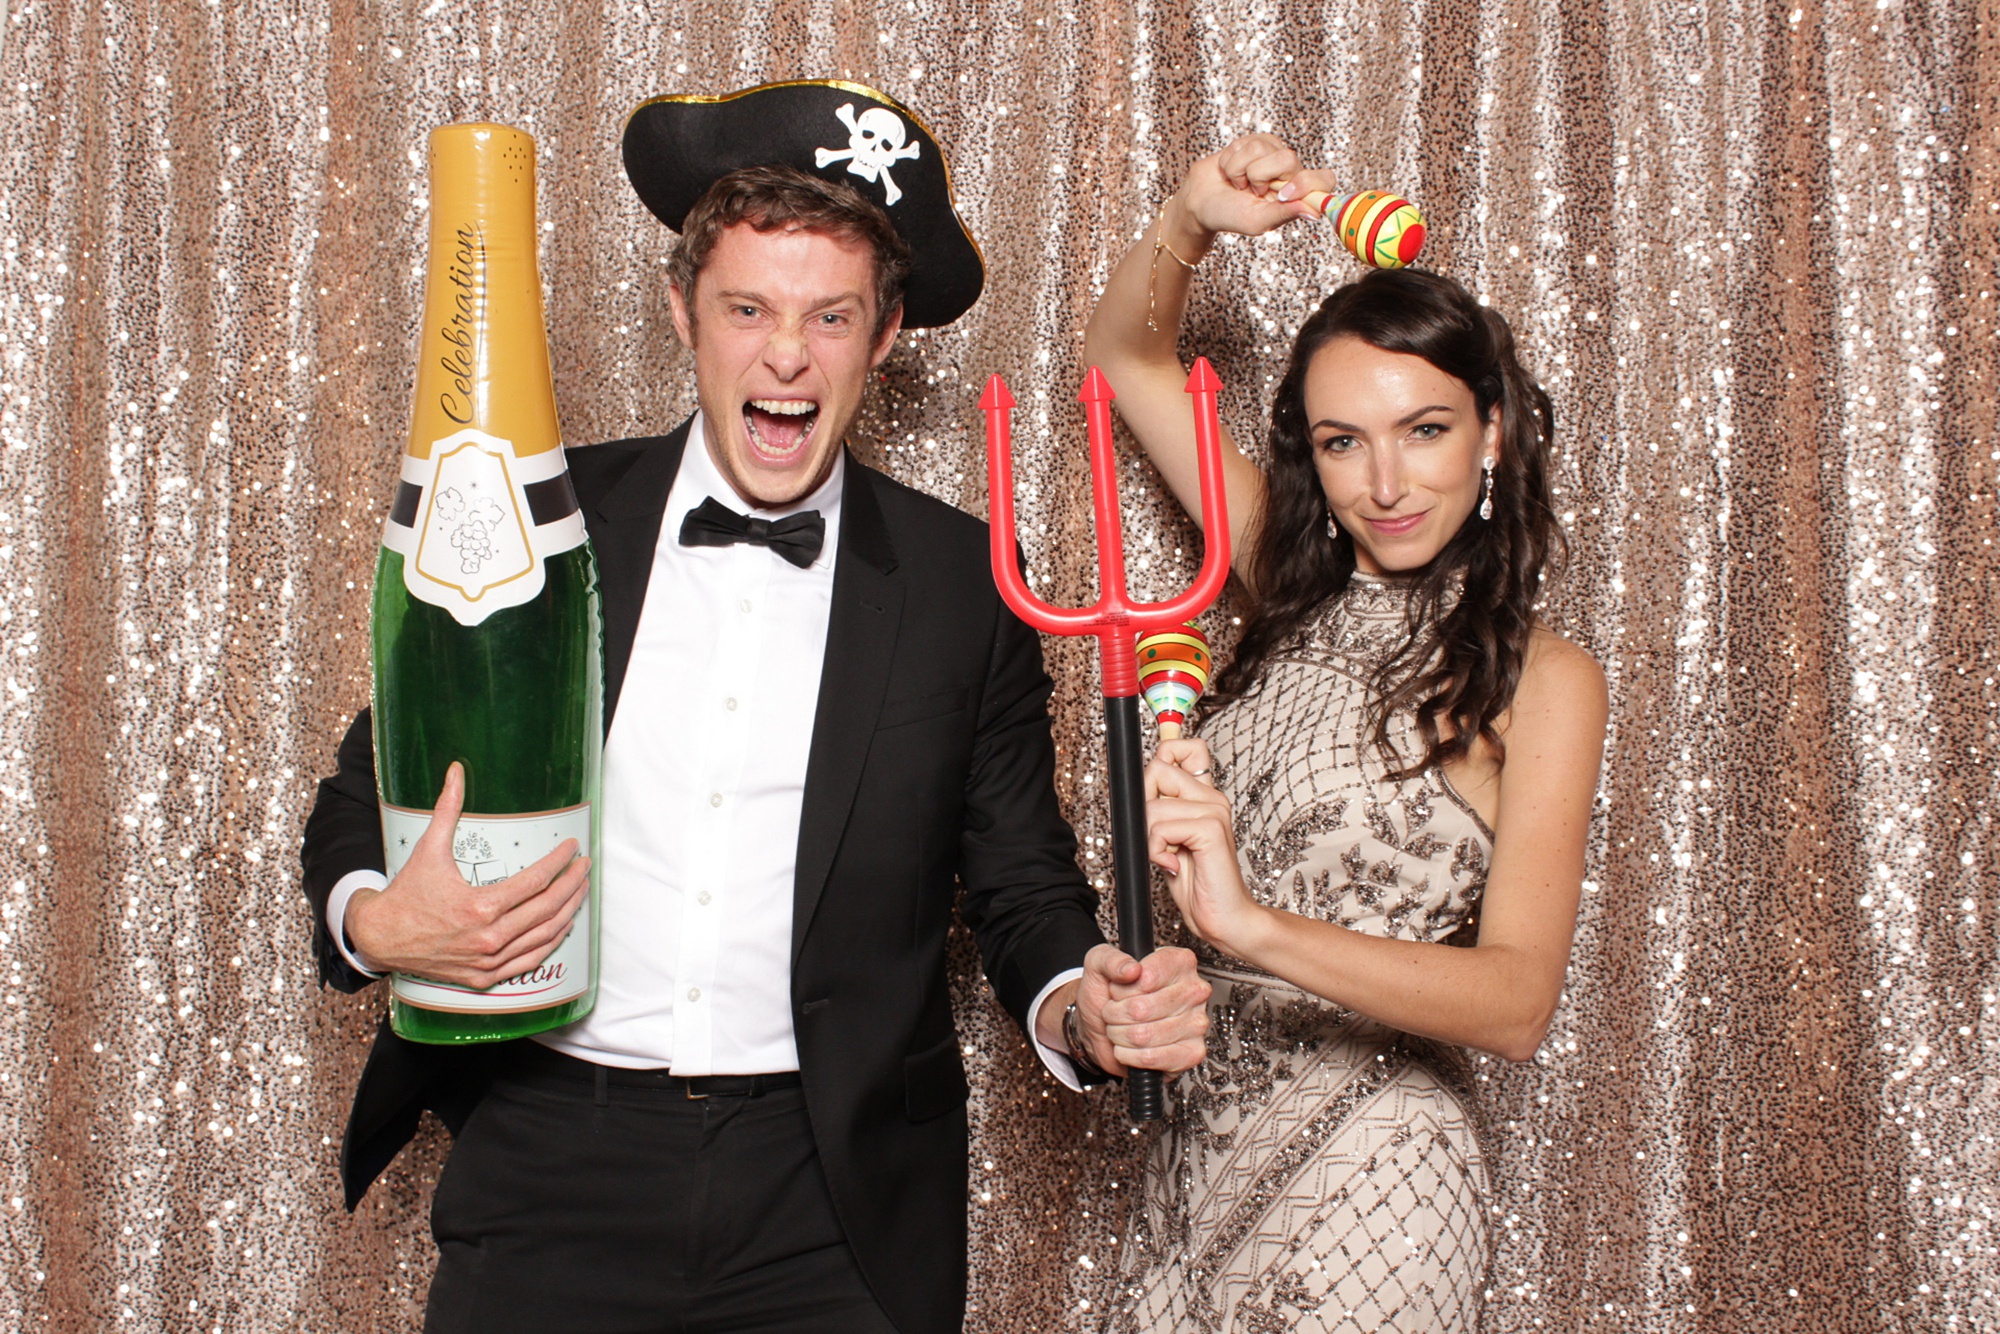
<point x="782" y="441"/>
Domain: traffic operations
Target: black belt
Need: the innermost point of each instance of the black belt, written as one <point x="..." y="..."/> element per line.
<point x="534" y="1058"/>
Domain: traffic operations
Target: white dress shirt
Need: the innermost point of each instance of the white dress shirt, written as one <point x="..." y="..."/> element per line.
<point x="704" y="782"/>
<point x="704" y="779"/>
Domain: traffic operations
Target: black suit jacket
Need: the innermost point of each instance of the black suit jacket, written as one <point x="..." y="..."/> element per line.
<point x="931" y="764"/>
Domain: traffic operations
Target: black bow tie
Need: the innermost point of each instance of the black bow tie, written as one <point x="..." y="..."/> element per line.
<point x="796" y="537"/>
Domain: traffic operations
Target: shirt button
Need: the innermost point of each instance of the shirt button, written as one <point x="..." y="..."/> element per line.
<point x="746" y="604"/>
<point x="730" y="704"/>
<point x="704" y="898"/>
<point x="694" y="993"/>
<point x="715" y="798"/>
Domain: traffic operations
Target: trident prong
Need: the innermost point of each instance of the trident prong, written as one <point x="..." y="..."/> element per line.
<point x="1114" y="618"/>
<point x="1116" y="621"/>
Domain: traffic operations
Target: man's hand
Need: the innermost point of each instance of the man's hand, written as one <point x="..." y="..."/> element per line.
<point x="430" y="922"/>
<point x="1146" y="1016"/>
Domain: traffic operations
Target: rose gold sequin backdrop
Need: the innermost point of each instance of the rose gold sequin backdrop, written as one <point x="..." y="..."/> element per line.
<point x="1750" y="247"/>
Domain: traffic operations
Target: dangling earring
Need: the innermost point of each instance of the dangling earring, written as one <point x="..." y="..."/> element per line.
<point x="1332" y="529"/>
<point x="1486" y="498"/>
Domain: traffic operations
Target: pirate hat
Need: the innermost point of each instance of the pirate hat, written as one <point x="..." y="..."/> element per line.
<point x="676" y="147"/>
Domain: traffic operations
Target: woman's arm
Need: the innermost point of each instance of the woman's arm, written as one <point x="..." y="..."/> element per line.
<point x="1497" y="996"/>
<point x="1132" y="334"/>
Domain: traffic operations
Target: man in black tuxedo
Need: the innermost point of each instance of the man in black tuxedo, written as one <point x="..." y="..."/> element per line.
<point x="821" y="720"/>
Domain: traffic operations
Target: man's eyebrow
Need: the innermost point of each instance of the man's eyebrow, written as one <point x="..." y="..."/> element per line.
<point x="758" y="298"/>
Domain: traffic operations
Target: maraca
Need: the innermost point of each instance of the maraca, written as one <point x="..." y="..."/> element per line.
<point x="1378" y="228"/>
<point x="1173" y="671"/>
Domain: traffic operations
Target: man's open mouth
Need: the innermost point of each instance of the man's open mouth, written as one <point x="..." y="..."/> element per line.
<point x="779" y="428"/>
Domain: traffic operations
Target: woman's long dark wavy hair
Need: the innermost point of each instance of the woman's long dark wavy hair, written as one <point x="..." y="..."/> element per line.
<point x="1462" y="660"/>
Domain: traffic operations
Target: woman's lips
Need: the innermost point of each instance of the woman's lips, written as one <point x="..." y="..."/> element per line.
<point x="1396" y="527"/>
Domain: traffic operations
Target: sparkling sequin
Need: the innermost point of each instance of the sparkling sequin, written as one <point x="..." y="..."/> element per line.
<point x="1751" y="253"/>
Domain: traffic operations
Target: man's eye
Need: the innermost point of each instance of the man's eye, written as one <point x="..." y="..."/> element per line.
<point x="832" y="320"/>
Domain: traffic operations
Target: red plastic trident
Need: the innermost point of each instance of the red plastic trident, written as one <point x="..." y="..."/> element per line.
<point x="1116" y="620"/>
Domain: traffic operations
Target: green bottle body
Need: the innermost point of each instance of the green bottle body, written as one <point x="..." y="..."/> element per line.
<point x="518" y="700"/>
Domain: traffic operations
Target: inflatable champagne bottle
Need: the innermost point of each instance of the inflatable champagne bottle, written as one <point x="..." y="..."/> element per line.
<point x="489" y="647"/>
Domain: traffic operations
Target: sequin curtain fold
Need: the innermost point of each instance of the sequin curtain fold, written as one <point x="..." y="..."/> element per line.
<point x="1749" y="246"/>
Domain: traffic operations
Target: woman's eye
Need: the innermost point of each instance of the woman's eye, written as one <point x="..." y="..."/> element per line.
<point x="1428" y="431"/>
<point x="1337" y="444"/>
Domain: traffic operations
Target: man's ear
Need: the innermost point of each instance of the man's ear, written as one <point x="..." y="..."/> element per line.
<point x="683" y="322"/>
<point x="884" y="340"/>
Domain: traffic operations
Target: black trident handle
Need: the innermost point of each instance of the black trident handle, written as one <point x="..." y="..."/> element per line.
<point x="1134" y="874"/>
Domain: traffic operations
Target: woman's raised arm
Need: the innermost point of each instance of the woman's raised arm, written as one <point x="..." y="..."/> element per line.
<point x="1132" y="334"/>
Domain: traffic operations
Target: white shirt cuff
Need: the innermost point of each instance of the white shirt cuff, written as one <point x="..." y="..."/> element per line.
<point x="1058" y="1063"/>
<point x="336" y="916"/>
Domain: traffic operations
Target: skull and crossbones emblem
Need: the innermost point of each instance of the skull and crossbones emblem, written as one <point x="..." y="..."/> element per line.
<point x="876" y="141"/>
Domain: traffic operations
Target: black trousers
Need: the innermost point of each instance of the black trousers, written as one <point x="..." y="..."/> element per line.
<point x="573" y="1202"/>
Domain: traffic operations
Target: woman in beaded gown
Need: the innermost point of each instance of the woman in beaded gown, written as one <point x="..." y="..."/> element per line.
<point x="1378" y="839"/>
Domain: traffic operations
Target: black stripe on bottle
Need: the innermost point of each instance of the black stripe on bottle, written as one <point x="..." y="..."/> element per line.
<point x="551" y="498"/>
<point x="404" y="512"/>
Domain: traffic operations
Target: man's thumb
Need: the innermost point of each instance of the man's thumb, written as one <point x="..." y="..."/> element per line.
<point x="444" y="819"/>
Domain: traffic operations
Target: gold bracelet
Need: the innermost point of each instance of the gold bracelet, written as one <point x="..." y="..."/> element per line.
<point x="1153" y="269"/>
<point x="1160" y="244"/>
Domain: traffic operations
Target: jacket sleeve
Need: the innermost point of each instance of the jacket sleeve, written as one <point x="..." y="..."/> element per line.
<point x="343" y="834"/>
<point x="1030" y="908"/>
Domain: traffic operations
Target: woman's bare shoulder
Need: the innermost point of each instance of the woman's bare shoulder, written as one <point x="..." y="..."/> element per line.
<point x="1560" y="675"/>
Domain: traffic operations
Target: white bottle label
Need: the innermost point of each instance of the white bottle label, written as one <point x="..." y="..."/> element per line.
<point x="472" y="546"/>
<point x="489" y="848"/>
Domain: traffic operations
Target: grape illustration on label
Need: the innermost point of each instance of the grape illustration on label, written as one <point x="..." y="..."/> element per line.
<point x="475" y="538"/>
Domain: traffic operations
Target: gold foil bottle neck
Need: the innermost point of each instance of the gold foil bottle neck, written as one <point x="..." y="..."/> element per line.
<point x="483" y="352"/>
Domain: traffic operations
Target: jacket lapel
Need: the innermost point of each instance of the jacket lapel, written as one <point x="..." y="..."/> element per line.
<point x="624" y="525"/>
<point x="860" y="641"/>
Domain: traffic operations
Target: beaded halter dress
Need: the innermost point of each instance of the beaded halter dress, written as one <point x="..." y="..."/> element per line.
<point x="1321" y="1171"/>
